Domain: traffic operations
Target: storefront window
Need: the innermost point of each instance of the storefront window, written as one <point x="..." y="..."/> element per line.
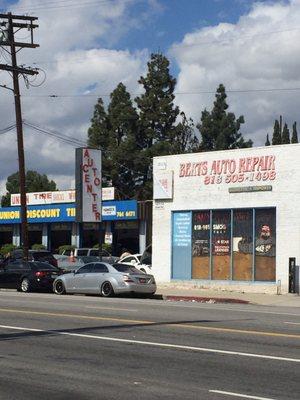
<point x="265" y="245"/>
<point x="242" y="245"/>
<point x="221" y="246"/>
<point x="216" y="250"/>
<point x="201" y="245"/>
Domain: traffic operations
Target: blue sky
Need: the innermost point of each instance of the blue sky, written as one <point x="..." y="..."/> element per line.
<point x="175" y="18"/>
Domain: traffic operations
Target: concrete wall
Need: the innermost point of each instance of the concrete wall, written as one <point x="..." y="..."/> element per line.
<point x="191" y="193"/>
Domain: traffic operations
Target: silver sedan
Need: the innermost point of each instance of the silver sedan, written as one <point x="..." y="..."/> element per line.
<point x="105" y="279"/>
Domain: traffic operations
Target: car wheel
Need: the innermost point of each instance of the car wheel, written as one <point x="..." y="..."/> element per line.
<point x="107" y="289"/>
<point x="59" y="287"/>
<point x="25" y="285"/>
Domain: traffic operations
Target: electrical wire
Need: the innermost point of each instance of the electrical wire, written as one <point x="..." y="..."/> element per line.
<point x="196" y="92"/>
<point x="71" y="140"/>
<point x="72" y="5"/>
<point x="60" y="136"/>
<point x="7" y="129"/>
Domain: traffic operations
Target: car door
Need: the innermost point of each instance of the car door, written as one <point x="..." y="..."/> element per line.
<point x="3" y="275"/>
<point x="97" y="276"/>
<point x="81" y="278"/>
<point x="15" y="271"/>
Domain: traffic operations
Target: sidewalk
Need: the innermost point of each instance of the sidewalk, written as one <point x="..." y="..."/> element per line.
<point x="173" y="293"/>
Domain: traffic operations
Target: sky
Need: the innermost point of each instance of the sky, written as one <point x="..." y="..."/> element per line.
<point x="88" y="46"/>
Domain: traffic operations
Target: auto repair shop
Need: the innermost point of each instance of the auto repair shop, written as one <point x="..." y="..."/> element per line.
<point x="227" y="219"/>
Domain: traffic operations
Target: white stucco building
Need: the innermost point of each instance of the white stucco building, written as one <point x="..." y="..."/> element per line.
<point x="227" y="219"/>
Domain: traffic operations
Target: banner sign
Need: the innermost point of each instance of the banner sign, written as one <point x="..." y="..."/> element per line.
<point x="242" y="170"/>
<point x="119" y="210"/>
<point x="163" y="185"/>
<point x="62" y="196"/>
<point x="88" y="185"/>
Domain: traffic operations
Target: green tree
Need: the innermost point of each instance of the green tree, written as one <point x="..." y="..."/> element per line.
<point x="276" y="139"/>
<point x="219" y="129"/>
<point x="158" y="114"/>
<point x="185" y="140"/>
<point x="123" y="141"/>
<point x="98" y="136"/>
<point x="294" y="134"/>
<point x="35" y="182"/>
<point x="267" y="141"/>
<point x="285" y="139"/>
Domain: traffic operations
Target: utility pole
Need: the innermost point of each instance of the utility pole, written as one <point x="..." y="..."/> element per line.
<point x="11" y="23"/>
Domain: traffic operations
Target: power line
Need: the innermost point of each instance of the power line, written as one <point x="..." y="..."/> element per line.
<point x="197" y="92"/>
<point x="72" y="141"/>
<point x="60" y="136"/>
<point x="7" y="129"/>
<point x="57" y="5"/>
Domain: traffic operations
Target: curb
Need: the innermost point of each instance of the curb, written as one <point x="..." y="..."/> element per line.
<point x="215" y="300"/>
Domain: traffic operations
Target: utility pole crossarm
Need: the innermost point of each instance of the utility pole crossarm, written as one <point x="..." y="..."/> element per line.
<point x="20" y="70"/>
<point x="22" y="17"/>
<point x="19" y="44"/>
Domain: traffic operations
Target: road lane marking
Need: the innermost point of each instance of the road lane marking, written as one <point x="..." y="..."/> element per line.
<point x="148" y="302"/>
<point x="293" y="323"/>
<point x="49" y="314"/>
<point x="155" y="344"/>
<point x="153" y="323"/>
<point x="244" y="396"/>
<point x="111" y="308"/>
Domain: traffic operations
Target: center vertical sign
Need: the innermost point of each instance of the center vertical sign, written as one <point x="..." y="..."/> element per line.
<point x="88" y="185"/>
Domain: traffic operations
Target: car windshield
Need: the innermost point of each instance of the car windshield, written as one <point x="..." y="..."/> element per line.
<point x="82" y="252"/>
<point x="42" y="265"/>
<point x="126" y="269"/>
<point x="42" y="255"/>
<point x="95" y="252"/>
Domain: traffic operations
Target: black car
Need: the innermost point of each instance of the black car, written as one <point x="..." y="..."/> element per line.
<point x="27" y="276"/>
<point x="35" y="255"/>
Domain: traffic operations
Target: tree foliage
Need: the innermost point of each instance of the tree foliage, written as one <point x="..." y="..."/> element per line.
<point x="115" y="133"/>
<point x="34" y="181"/>
<point x="285" y="138"/>
<point x="294" y="134"/>
<point x="267" y="141"/>
<point x="219" y="129"/>
<point x="276" y="139"/>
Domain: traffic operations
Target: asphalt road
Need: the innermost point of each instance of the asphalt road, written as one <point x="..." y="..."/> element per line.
<point x="83" y="347"/>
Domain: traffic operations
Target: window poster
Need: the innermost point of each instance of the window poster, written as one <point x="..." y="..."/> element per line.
<point x="201" y="245"/>
<point x="242" y="245"/>
<point x="182" y="245"/>
<point x="265" y="244"/>
<point x="221" y="244"/>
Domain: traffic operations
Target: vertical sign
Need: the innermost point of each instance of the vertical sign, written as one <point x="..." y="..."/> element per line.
<point x="88" y="185"/>
<point x="182" y="245"/>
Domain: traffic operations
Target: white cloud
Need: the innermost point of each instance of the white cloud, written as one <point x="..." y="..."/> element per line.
<point x="74" y="56"/>
<point x="260" y="51"/>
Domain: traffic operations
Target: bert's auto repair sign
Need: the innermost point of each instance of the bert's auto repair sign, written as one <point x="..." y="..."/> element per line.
<point x="88" y="185"/>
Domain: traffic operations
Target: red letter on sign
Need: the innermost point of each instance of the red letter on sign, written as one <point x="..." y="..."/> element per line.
<point x="86" y="153"/>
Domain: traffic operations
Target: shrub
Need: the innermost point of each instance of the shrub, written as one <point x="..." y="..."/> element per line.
<point x="7" y="248"/>
<point x="38" y="246"/>
<point x="105" y="246"/>
<point x="64" y="247"/>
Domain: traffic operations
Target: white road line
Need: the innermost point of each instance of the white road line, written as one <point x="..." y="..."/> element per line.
<point x="293" y="323"/>
<point x="244" y="396"/>
<point x="156" y="344"/>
